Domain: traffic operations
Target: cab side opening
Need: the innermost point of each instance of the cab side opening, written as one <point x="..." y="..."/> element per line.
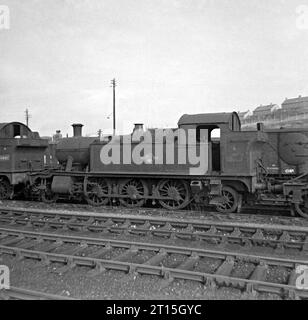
<point x="214" y="144"/>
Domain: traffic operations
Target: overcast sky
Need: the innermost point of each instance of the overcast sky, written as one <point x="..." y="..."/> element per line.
<point x="169" y="57"/>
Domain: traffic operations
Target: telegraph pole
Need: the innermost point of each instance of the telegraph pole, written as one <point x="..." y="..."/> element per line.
<point x="113" y="84"/>
<point x="28" y="116"/>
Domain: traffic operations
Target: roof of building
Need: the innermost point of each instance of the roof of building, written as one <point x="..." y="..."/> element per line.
<point x="266" y="108"/>
<point x="243" y="113"/>
<point x="295" y="101"/>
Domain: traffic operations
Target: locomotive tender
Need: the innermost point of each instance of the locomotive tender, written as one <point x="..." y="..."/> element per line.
<point x="261" y="166"/>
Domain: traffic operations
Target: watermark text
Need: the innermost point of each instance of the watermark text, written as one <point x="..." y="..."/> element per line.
<point x="302" y="17"/>
<point x="180" y="147"/>
<point x="302" y="278"/>
<point x="4" y="17"/>
<point x="4" y="277"/>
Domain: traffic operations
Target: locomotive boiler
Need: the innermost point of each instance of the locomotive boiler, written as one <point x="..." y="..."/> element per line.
<point x="74" y="151"/>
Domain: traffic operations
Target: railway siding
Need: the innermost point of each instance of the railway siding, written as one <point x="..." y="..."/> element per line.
<point x="167" y="262"/>
<point x="279" y="237"/>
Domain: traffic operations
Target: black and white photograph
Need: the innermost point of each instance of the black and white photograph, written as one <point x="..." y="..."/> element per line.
<point x="154" y="153"/>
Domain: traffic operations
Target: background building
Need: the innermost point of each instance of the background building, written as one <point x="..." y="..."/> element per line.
<point x="292" y="113"/>
<point x="298" y="105"/>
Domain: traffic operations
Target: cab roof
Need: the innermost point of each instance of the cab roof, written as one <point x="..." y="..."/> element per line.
<point x="209" y="118"/>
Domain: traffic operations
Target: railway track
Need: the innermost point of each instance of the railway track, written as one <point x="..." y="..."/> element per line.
<point x="257" y="212"/>
<point x="211" y="267"/>
<point x="14" y="293"/>
<point x="278" y="237"/>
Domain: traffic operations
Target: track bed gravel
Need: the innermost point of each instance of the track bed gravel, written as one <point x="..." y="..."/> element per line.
<point x="112" y="285"/>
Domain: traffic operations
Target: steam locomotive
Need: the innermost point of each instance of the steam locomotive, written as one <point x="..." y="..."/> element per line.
<point x="208" y="160"/>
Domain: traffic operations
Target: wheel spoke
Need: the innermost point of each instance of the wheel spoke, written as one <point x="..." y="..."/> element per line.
<point x="176" y="190"/>
<point x="97" y="191"/>
<point x="135" y="190"/>
<point x="230" y="203"/>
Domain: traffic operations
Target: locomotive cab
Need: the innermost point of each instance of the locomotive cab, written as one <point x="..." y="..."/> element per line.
<point x="212" y="128"/>
<point x="232" y="158"/>
<point x="21" y="152"/>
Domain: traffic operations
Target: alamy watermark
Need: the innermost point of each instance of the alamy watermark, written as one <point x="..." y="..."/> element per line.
<point x="4" y="17"/>
<point x="159" y="147"/>
<point x="302" y="18"/>
<point x="302" y="278"/>
<point x="4" y="277"/>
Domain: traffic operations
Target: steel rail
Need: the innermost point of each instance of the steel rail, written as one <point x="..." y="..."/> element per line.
<point x="17" y="242"/>
<point x="27" y="294"/>
<point x="82" y="214"/>
<point x="222" y="232"/>
<point x="247" y="212"/>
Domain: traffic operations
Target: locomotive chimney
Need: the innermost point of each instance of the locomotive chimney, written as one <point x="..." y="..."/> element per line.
<point x="138" y="126"/>
<point x="77" y="127"/>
